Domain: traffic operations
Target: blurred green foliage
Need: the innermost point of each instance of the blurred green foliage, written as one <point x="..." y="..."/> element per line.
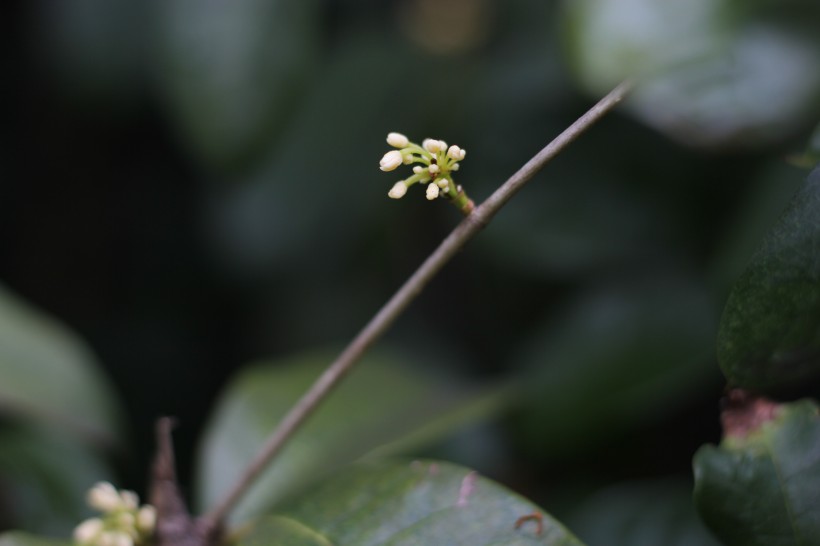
<point x="193" y="185"/>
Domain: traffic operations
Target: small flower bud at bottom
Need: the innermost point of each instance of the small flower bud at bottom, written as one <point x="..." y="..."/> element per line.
<point x="87" y="531"/>
<point x="130" y="500"/>
<point x="432" y="191"/>
<point x="104" y="497"/>
<point x="441" y="182"/>
<point x="455" y="166"/>
<point x="397" y="140"/>
<point x="407" y="159"/>
<point x="433" y="169"/>
<point x="397" y="191"/>
<point x="418" y="169"/>
<point x="147" y="519"/>
<point x="391" y="160"/>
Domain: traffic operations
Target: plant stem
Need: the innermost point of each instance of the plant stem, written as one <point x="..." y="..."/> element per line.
<point x="463" y="232"/>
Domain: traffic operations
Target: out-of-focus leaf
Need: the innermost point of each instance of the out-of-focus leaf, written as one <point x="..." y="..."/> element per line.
<point x="404" y="504"/>
<point x="18" y="538"/>
<point x="48" y="374"/>
<point x="763" y="489"/>
<point x="706" y="78"/>
<point x="326" y="170"/>
<point x="616" y="360"/>
<point x="44" y="476"/>
<point x="382" y="405"/>
<point x="641" y="514"/>
<point x="770" y="330"/>
<point x="96" y="49"/>
<point x="231" y="70"/>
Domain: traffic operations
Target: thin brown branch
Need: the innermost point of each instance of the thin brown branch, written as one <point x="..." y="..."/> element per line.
<point x="462" y="233"/>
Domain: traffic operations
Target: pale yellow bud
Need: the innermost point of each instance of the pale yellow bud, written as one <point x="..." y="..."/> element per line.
<point x="432" y="191"/>
<point x="147" y="519"/>
<point x="391" y="160"/>
<point x="418" y="169"/>
<point x="432" y="145"/>
<point x="88" y="531"/>
<point x="130" y="500"/>
<point x="104" y="497"/>
<point x="397" y="191"/>
<point x="433" y="169"/>
<point x="397" y="140"/>
<point x="456" y="153"/>
<point x="441" y="182"/>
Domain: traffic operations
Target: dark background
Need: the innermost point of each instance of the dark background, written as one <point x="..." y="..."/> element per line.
<point x="190" y="186"/>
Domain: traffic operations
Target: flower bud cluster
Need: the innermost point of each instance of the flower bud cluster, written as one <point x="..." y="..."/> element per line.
<point x="123" y="523"/>
<point x="436" y="163"/>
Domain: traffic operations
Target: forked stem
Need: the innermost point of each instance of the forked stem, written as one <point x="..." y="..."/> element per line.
<point x="391" y="310"/>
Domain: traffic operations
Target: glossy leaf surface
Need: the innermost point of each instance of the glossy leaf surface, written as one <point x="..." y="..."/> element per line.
<point x="764" y="489"/>
<point x="403" y="504"/>
<point x="770" y="330"/>
<point x="380" y="404"/>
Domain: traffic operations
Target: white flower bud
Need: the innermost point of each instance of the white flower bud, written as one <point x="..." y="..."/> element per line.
<point x="432" y="191"/>
<point x="87" y="531"/>
<point x="147" y="519"/>
<point x="397" y="140"/>
<point x="397" y="191"/>
<point x="455" y="166"/>
<point x="391" y="160"/>
<point x="456" y="153"/>
<point x="130" y="500"/>
<point x="441" y="182"/>
<point x="431" y="145"/>
<point x="407" y="159"/>
<point x="433" y="168"/>
<point x="104" y="497"/>
<point x="418" y="169"/>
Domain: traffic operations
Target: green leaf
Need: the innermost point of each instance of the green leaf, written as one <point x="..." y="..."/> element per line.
<point x="230" y="71"/>
<point x="764" y="489"/>
<point x="707" y="75"/>
<point x="630" y="514"/>
<point x="18" y="538"/>
<point x="44" y="477"/>
<point x="770" y="330"/>
<point x="400" y="504"/>
<point x="618" y="359"/>
<point x="47" y="374"/>
<point x="383" y="406"/>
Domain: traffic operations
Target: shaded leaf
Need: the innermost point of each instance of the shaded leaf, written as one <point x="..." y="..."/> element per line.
<point x="705" y="78"/>
<point x="18" y="538"/>
<point x="49" y="375"/>
<point x="408" y="504"/>
<point x="230" y="70"/>
<point x="382" y="405"/>
<point x="770" y="330"/>
<point x="44" y="477"/>
<point x="763" y="489"/>
<point x="617" y="359"/>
